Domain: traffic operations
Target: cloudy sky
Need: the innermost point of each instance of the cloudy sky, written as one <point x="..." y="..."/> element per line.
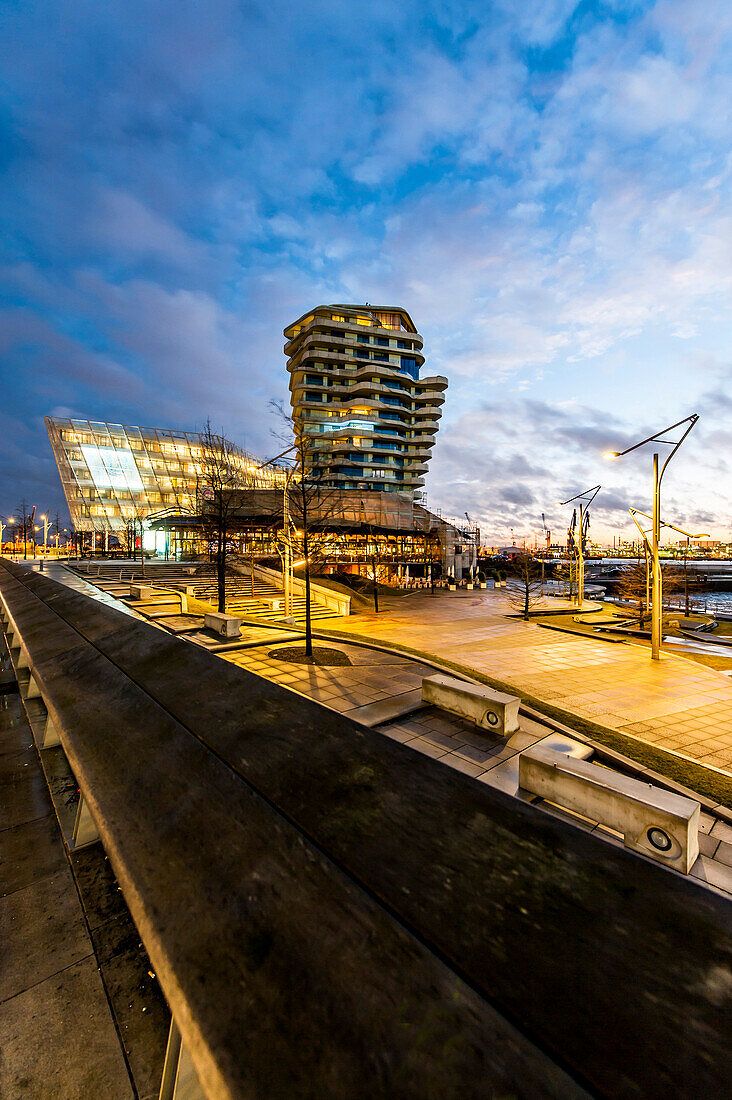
<point x="544" y="185"/>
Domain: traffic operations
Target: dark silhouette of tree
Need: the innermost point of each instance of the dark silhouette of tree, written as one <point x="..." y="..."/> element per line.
<point x="634" y="586"/>
<point x="220" y="473"/>
<point x="24" y="520"/>
<point x="314" y="509"/>
<point x="524" y="591"/>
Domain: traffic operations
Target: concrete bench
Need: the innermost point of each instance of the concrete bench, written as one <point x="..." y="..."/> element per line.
<point x="658" y="823"/>
<point x="228" y="626"/>
<point x="274" y="603"/>
<point x="491" y="710"/>
<point x="141" y="591"/>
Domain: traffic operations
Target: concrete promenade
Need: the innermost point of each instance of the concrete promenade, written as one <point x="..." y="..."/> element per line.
<point x="674" y="703"/>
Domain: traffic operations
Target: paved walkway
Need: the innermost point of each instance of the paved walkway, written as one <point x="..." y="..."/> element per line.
<point x="675" y="703"/>
<point x="376" y="684"/>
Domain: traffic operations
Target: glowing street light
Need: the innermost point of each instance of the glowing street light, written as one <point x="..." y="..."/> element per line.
<point x="10" y="522"/>
<point x="657" y="582"/>
<point x="46" y="525"/>
<point x="585" y="500"/>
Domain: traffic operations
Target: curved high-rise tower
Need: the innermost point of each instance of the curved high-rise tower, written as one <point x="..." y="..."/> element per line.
<point x="355" y="387"/>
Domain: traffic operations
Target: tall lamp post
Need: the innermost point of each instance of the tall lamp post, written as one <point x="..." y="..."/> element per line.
<point x="657" y="582"/>
<point x="288" y="566"/>
<point x="46" y="525"/>
<point x="584" y="499"/>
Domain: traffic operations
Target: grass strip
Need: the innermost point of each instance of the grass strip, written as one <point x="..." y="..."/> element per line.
<point x="711" y="784"/>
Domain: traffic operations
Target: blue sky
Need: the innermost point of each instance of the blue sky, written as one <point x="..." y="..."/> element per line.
<point x="545" y="186"/>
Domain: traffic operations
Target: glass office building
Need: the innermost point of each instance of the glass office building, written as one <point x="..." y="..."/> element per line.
<point x="115" y="474"/>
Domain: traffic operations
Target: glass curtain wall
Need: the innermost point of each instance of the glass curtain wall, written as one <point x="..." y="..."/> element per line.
<point x="114" y="474"/>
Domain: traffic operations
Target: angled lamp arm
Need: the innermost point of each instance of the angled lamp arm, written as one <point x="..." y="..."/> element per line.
<point x="589" y="493"/>
<point x="644" y="536"/>
<point x="692" y="421"/>
<point x="658" y="438"/>
<point x="687" y="534"/>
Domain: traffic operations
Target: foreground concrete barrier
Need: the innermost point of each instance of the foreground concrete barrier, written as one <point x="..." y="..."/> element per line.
<point x="141" y="591"/>
<point x="313" y="895"/>
<point x="491" y="710"/>
<point x="228" y="626"/>
<point x="659" y="824"/>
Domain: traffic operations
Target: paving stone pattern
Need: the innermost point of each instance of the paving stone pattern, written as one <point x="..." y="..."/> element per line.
<point x="674" y="703"/>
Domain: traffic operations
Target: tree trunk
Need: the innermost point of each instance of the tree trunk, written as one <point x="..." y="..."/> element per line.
<point x="526" y="601"/>
<point x="375" y="585"/>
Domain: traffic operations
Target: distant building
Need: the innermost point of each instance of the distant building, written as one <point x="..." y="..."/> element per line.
<point x="115" y="476"/>
<point x="355" y="386"/>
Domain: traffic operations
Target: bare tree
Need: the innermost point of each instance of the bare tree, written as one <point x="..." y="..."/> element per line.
<point x="634" y="586"/>
<point x="24" y="519"/>
<point x="314" y="509"/>
<point x="375" y="557"/>
<point x="526" y="591"/>
<point x="220" y="473"/>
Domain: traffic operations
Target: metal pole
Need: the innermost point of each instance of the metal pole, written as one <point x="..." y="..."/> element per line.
<point x="580" y="559"/>
<point x="657" y="590"/>
<point x="288" y="548"/>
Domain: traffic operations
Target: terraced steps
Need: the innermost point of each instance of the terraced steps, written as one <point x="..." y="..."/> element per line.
<point x="242" y="598"/>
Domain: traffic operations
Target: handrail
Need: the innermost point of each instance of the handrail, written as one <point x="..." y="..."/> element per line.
<point x="338" y="895"/>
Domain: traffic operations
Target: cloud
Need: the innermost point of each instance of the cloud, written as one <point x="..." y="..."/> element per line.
<point x="545" y="186"/>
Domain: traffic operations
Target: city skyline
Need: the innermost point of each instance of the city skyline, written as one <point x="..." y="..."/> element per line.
<point x="546" y="192"/>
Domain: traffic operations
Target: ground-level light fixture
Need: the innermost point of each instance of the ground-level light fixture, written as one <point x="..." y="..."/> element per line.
<point x="657" y="585"/>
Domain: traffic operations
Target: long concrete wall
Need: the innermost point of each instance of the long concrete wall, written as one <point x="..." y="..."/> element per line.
<point x="333" y="914"/>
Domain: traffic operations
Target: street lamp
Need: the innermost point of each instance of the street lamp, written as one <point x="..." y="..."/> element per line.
<point x="46" y="525"/>
<point x="657" y="583"/>
<point x="585" y="500"/>
<point x="287" y="563"/>
<point x="10" y="522"/>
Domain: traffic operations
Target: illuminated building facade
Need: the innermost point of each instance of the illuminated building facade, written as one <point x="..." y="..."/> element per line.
<point x="355" y="387"/>
<point x="113" y="474"/>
